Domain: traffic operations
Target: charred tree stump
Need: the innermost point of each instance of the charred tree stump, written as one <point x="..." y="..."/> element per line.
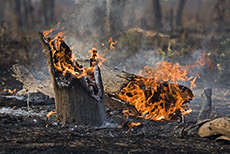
<point x="75" y="101"/>
<point x="206" y="104"/>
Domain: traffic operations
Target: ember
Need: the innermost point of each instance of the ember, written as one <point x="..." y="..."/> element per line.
<point x="11" y="91"/>
<point x="50" y="113"/>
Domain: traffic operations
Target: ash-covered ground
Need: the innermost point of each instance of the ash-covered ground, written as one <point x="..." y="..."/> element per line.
<point x="33" y="132"/>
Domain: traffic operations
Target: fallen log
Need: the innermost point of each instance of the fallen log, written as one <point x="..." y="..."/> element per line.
<point x="219" y="126"/>
<point x="77" y="100"/>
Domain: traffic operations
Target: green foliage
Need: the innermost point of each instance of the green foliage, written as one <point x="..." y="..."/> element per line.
<point x="221" y="57"/>
<point x="131" y="41"/>
<point x="174" y="53"/>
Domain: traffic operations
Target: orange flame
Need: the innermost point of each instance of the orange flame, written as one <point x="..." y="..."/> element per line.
<point x="48" y="32"/>
<point x="203" y="60"/>
<point x="157" y="95"/>
<point x="64" y="61"/>
<point x="112" y="43"/>
<point x="50" y="113"/>
<point x="11" y="91"/>
<point x="97" y="56"/>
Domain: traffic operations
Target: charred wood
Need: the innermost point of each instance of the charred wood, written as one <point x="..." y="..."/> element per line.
<point x="75" y="101"/>
<point x="206" y="104"/>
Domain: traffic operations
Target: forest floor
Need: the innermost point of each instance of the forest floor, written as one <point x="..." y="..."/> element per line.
<point x="32" y="132"/>
<point x="23" y="132"/>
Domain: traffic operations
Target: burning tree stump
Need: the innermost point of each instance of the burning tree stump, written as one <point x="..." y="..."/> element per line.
<point x="79" y="95"/>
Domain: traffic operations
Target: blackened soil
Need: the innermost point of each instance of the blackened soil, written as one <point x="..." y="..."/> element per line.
<point x="38" y="134"/>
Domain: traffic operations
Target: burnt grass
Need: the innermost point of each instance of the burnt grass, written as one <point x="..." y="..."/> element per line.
<point x="39" y="134"/>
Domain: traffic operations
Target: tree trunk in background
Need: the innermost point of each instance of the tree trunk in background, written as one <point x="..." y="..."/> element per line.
<point x="197" y="12"/>
<point x="180" y="8"/>
<point x="219" y="12"/>
<point x="157" y="14"/>
<point x="132" y="18"/>
<point x="100" y="18"/>
<point x="43" y="13"/>
<point x="28" y="12"/>
<point x="51" y="11"/>
<point x="171" y="19"/>
<point x="2" y="10"/>
<point x="17" y="16"/>
<point x="47" y="12"/>
<point x="116" y="16"/>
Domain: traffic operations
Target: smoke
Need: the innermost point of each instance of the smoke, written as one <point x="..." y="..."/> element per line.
<point x="90" y="23"/>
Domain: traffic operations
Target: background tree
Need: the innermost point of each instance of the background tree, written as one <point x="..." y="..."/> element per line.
<point x="16" y="13"/>
<point x="47" y="11"/>
<point x="116" y="16"/>
<point x="157" y="14"/>
<point x="180" y="8"/>
<point x="219" y="12"/>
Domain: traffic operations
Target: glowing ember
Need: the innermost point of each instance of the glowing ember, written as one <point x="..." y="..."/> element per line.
<point x="50" y="113"/>
<point x="156" y="93"/>
<point x="11" y="91"/>
<point x="129" y="124"/>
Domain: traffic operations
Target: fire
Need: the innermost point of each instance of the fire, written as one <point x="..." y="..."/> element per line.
<point x="129" y="124"/>
<point x="203" y="60"/>
<point x="112" y="43"/>
<point x="64" y="63"/>
<point x="156" y="93"/>
<point x="97" y="57"/>
<point x="47" y="33"/>
<point x="11" y="91"/>
<point x="50" y="113"/>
